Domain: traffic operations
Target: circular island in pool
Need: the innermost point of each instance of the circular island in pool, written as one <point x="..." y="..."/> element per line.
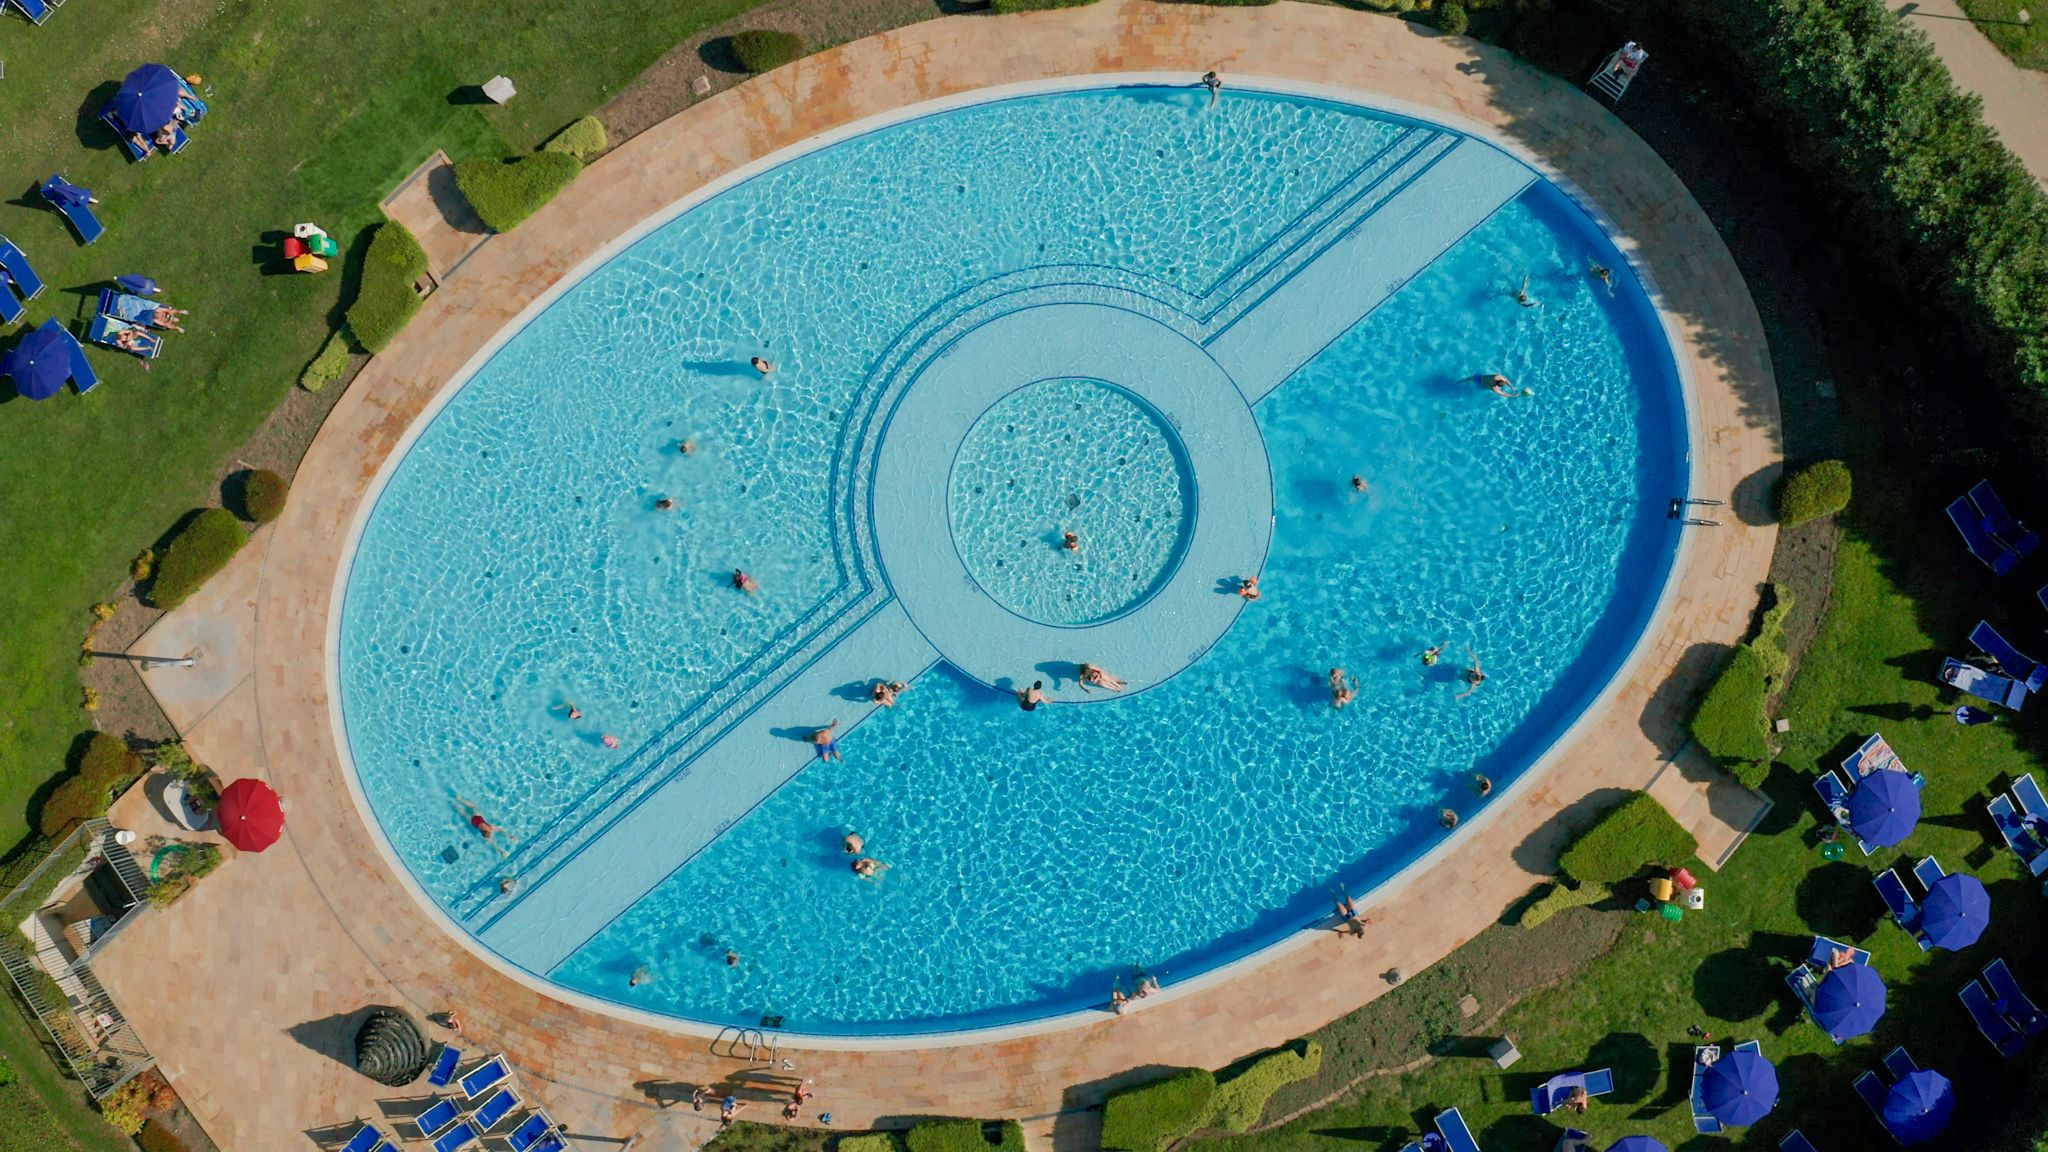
<point x="771" y="684"/>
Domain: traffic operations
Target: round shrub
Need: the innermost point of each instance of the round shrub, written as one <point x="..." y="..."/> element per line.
<point x="108" y="761"/>
<point x="765" y="49"/>
<point x="1814" y="491"/>
<point x="126" y="1107"/>
<point x="203" y="547"/>
<point x="263" y="493"/>
<point x="107" y="767"/>
<point x="581" y="139"/>
<point x="1450" y="16"/>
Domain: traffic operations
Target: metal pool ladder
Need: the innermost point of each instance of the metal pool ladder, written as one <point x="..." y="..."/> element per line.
<point x="745" y="1041"/>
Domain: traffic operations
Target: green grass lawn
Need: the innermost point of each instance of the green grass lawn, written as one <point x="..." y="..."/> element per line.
<point x="1903" y="597"/>
<point x="1999" y="20"/>
<point x="318" y="109"/>
<point x="40" y="1111"/>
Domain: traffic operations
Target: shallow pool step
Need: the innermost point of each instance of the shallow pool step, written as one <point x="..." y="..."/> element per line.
<point x="640" y="844"/>
<point x="1378" y="253"/>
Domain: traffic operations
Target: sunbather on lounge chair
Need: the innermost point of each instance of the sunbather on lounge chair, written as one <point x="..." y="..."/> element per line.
<point x="166" y="136"/>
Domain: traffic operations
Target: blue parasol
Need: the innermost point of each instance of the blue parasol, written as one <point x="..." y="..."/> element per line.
<point x="41" y="363"/>
<point x="1636" y="1144"/>
<point x="1919" y="1106"/>
<point x="1956" y="911"/>
<point x="1849" y="1001"/>
<point x="147" y="100"/>
<point x="1739" y="1088"/>
<point x="1884" y="808"/>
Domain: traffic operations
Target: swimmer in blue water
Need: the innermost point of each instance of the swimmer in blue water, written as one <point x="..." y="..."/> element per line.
<point x="828" y="745"/>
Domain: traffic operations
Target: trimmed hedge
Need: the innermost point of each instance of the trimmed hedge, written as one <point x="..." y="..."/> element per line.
<point x="1241" y="1100"/>
<point x="108" y="767"/>
<point x="871" y="1142"/>
<point x="263" y="493"/>
<point x="961" y="1136"/>
<point x="1813" y="492"/>
<point x="328" y="366"/>
<point x="1730" y="722"/>
<point x="505" y="192"/>
<point x="1628" y="838"/>
<point x="385" y="300"/>
<point x="1770" y="636"/>
<point x="580" y="138"/>
<point x="200" y="549"/>
<point x="766" y="49"/>
<point x="1149" y="1117"/>
<point x="1451" y="17"/>
<point x="1865" y="105"/>
<point x="1560" y="897"/>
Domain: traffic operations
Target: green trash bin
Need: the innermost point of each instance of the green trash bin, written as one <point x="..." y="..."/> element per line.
<point x="1833" y="850"/>
<point x="321" y="244"/>
<point x="1672" y="912"/>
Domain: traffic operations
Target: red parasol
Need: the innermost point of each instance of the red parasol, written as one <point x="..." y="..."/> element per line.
<point x="251" y="816"/>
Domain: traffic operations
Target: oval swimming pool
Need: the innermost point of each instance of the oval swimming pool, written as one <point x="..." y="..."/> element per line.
<point x="1212" y="342"/>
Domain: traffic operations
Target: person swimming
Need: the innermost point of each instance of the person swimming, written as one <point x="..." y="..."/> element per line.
<point x="1502" y="386"/>
<point x="1522" y="296"/>
<point x="1604" y="275"/>
<point x="761" y="366"/>
<point x="1447" y="818"/>
<point x="489" y="831"/>
<point x="852" y="844"/>
<point x="1358" y="484"/>
<point x="744" y="582"/>
<point x="664" y="504"/>
<point x="1343" y="688"/>
<point x="1473" y="676"/>
<point x="1432" y="654"/>
<point x="1071" y="542"/>
<point x="869" y="868"/>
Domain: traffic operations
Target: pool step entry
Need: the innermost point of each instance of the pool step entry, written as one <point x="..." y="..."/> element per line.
<point x="1438" y="202"/>
<point x="750" y="755"/>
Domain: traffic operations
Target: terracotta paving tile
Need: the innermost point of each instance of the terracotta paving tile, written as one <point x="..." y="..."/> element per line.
<point x="294" y="943"/>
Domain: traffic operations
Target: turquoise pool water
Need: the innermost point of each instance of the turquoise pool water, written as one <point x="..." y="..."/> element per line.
<point x="516" y="562"/>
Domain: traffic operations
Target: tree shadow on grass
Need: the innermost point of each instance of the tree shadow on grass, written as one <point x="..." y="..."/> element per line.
<point x="1634" y="1061"/>
<point x="94" y="132"/>
<point x="1836" y="900"/>
<point x="1736" y="983"/>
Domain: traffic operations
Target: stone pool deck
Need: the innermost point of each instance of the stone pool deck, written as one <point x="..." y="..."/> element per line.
<point x="249" y="988"/>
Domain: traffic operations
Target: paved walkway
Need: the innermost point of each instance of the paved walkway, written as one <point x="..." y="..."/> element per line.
<point x="2015" y="98"/>
<point x="278" y="955"/>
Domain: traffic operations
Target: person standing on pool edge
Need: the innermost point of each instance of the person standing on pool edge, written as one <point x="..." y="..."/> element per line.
<point x="1030" y="698"/>
<point x="1214" y="84"/>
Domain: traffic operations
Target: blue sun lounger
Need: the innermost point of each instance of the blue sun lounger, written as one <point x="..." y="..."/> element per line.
<point x="1970" y="523"/>
<point x="2012" y="1001"/>
<point x="1551" y="1095"/>
<point x="1703" y="1121"/>
<point x="148" y="147"/>
<point x="1796" y="1141"/>
<point x="1898" y="1064"/>
<point x="107" y="330"/>
<point x="2028" y="847"/>
<point x="2001" y="690"/>
<point x="1900" y="902"/>
<point x="436" y="1118"/>
<point x="536" y="1134"/>
<point x="133" y="309"/>
<point x="35" y="10"/>
<point x="366" y="1139"/>
<point x="2028" y="793"/>
<point x="2001" y="523"/>
<point x="1834" y="796"/>
<point x="1873" y="1093"/>
<point x="484" y="1077"/>
<point x="444" y="1066"/>
<point x="1927" y="871"/>
<point x="457" y="1136"/>
<point x="15" y="262"/>
<point x="1456" y="1133"/>
<point x="2010" y="660"/>
<point x="10" y="308"/>
<point x="493" y="1111"/>
<point x="82" y="376"/>
<point x="75" y="203"/>
<point x="1994" y="1027"/>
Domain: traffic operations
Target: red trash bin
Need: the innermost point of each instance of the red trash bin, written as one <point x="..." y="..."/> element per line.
<point x="1684" y="880"/>
<point x="294" y="247"/>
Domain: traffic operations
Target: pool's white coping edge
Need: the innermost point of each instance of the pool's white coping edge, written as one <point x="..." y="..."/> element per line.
<point x="1193" y="985"/>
